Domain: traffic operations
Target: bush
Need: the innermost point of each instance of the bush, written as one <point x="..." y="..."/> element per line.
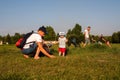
<point x="97" y="47"/>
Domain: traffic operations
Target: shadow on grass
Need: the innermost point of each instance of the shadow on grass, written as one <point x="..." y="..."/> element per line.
<point x="14" y="77"/>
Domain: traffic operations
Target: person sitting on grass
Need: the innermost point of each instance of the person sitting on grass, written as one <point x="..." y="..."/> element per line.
<point x="93" y="39"/>
<point x="102" y="39"/>
<point x="37" y="44"/>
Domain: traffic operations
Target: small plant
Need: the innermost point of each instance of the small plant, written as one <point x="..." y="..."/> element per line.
<point x="114" y="51"/>
<point x="97" y="46"/>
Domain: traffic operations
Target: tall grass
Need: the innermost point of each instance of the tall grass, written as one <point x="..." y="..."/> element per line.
<point x="91" y="63"/>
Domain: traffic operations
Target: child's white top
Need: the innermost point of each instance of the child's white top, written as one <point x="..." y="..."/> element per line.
<point x="62" y="42"/>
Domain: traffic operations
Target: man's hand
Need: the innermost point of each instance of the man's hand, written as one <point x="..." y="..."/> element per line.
<point x="52" y="56"/>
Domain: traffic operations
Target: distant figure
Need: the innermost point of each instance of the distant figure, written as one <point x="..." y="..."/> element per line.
<point x="93" y="39"/>
<point x="87" y="36"/>
<point x="34" y="44"/>
<point x="62" y="43"/>
<point x="102" y="39"/>
<point x="74" y="42"/>
<point x="1" y="42"/>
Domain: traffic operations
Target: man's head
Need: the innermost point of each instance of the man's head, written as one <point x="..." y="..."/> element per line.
<point x="42" y="31"/>
<point x="88" y="28"/>
<point x="101" y="35"/>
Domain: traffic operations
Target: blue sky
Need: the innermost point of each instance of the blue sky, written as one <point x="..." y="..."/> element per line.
<point x="25" y="15"/>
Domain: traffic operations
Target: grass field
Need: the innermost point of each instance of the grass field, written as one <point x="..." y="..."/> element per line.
<point x="91" y="63"/>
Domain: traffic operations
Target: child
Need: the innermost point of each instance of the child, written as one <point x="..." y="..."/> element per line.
<point x="62" y="43"/>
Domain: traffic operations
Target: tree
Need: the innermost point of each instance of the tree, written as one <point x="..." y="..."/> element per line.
<point x="115" y="38"/>
<point x="118" y="33"/>
<point x="51" y="34"/>
<point x="109" y="38"/>
<point x="1" y="38"/>
<point x="69" y="33"/>
<point x="75" y="35"/>
<point x="76" y="30"/>
<point x="8" y="39"/>
<point x="16" y="37"/>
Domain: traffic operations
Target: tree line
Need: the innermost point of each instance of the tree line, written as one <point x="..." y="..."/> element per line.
<point x="72" y="34"/>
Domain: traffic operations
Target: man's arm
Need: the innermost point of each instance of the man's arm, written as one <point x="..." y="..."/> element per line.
<point x="43" y="50"/>
<point x="103" y="39"/>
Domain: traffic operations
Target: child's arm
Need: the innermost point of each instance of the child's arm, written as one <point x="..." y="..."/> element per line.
<point x="66" y="40"/>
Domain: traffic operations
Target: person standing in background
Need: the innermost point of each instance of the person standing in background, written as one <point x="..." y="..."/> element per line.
<point x="87" y="36"/>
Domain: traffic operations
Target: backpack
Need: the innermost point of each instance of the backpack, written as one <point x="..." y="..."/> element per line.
<point x="22" y="41"/>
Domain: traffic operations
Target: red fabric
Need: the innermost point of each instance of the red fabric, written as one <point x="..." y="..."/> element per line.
<point x="62" y="50"/>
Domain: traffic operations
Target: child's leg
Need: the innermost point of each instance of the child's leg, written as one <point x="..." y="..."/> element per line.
<point x="60" y="53"/>
<point x="63" y="53"/>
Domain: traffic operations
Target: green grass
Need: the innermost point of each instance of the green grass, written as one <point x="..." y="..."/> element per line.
<point x="91" y="63"/>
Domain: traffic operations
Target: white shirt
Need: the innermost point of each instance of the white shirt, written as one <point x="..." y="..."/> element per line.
<point x="62" y="42"/>
<point x="33" y="38"/>
<point x="86" y="33"/>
